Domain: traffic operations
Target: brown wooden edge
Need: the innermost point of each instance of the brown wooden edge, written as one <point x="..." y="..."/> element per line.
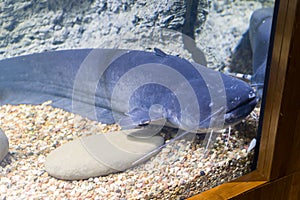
<point x="278" y="161"/>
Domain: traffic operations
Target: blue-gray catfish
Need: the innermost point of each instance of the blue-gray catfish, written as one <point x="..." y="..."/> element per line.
<point x="132" y="88"/>
<point x="259" y="33"/>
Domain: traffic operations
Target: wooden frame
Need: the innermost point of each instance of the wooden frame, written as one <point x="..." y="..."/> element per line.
<point x="278" y="170"/>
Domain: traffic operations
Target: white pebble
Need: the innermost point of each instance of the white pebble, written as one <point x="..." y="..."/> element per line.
<point x="251" y="145"/>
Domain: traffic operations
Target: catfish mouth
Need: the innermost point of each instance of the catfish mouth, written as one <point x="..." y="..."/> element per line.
<point x="241" y="111"/>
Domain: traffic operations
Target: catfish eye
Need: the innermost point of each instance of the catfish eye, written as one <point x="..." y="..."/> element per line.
<point x="144" y="124"/>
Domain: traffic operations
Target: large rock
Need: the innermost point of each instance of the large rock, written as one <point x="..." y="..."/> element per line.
<point x="99" y="155"/>
<point x="30" y="26"/>
<point x="3" y="145"/>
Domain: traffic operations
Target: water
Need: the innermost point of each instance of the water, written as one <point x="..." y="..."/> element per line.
<point x="206" y="32"/>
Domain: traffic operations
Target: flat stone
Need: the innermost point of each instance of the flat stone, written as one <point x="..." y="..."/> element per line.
<point x="3" y="145"/>
<point x="100" y="155"/>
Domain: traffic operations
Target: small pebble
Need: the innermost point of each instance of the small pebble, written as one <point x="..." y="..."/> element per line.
<point x="202" y="173"/>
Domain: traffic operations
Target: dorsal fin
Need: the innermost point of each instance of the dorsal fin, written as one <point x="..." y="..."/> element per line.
<point x="159" y="52"/>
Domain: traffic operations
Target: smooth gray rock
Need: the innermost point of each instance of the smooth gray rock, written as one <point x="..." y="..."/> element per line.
<point x="99" y="155"/>
<point x="3" y="145"/>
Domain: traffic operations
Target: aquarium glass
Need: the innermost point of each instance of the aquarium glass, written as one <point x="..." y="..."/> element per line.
<point x="129" y="99"/>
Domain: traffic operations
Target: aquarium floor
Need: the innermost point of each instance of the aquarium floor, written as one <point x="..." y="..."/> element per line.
<point x="177" y="172"/>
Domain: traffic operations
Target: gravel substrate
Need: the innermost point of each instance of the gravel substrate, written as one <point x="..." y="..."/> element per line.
<point x="177" y="172"/>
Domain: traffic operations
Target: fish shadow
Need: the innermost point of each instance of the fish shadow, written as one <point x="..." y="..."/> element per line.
<point x="241" y="59"/>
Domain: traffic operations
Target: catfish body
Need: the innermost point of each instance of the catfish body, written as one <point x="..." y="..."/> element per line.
<point x="259" y="32"/>
<point x="132" y="88"/>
